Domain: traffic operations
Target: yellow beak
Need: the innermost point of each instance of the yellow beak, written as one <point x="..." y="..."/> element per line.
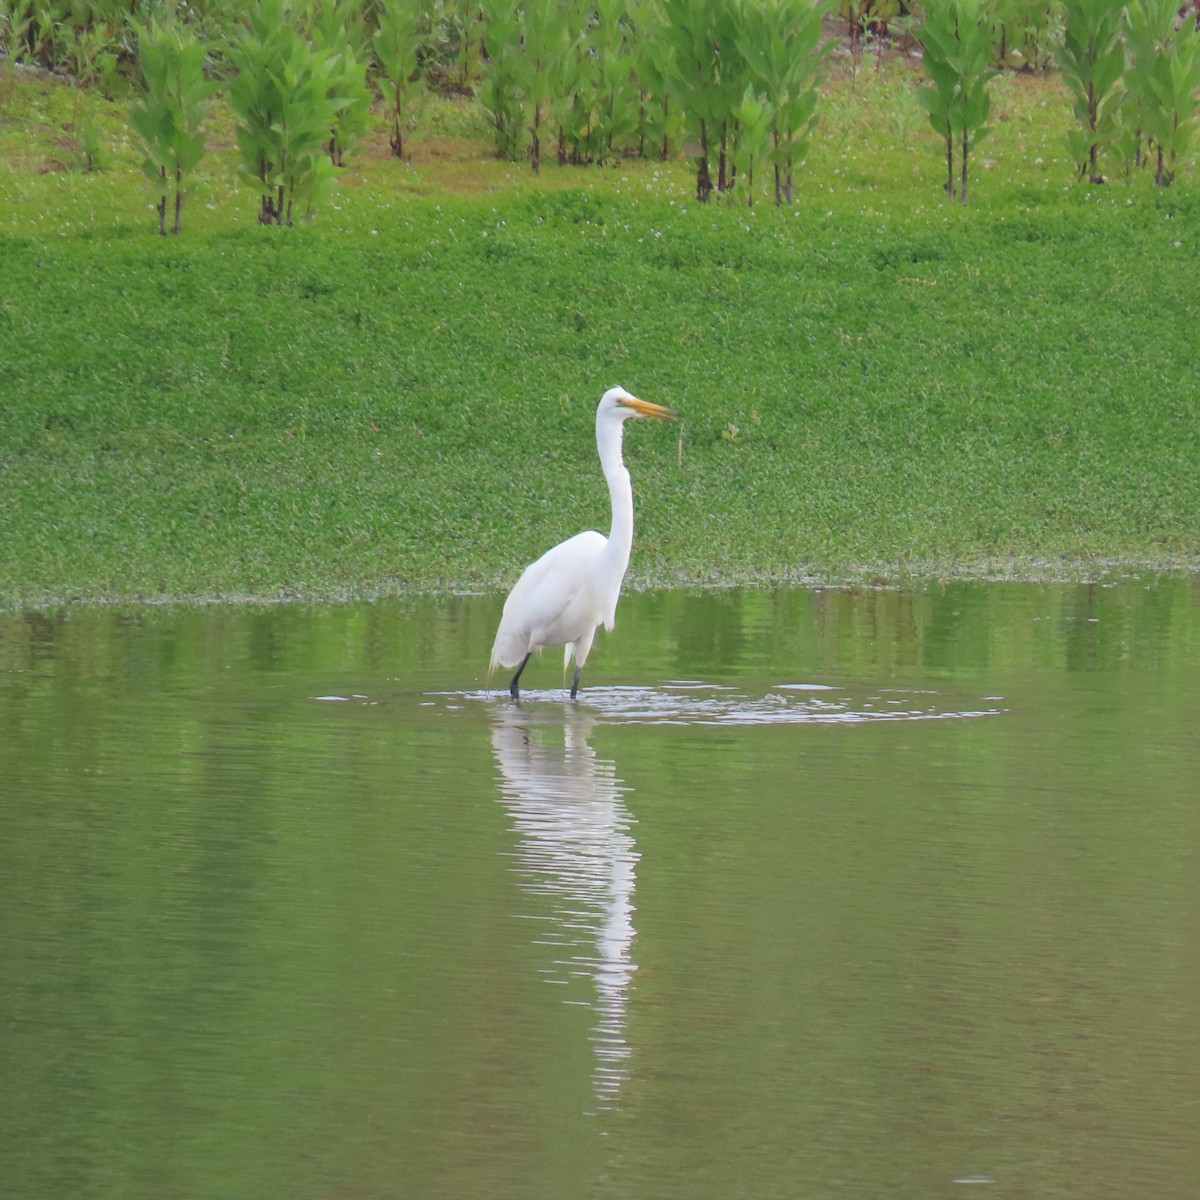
<point x="644" y="408"/>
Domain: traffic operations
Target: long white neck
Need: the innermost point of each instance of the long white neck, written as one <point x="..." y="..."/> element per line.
<point x="620" y="491"/>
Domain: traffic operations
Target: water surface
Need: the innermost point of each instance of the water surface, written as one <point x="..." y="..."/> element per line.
<point x="814" y="893"/>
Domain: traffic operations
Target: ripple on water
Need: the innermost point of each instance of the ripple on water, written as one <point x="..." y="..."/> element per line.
<point x="689" y="702"/>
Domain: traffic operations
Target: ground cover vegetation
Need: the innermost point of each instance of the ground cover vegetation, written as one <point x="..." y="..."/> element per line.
<point x="399" y="392"/>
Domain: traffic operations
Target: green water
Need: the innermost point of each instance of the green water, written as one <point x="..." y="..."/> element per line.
<point x="814" y="893"/>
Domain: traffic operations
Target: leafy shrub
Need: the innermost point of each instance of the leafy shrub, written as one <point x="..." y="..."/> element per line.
<point x="285" y="96"/>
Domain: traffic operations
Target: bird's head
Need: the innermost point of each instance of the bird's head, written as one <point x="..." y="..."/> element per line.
<point x="620" y="404"/>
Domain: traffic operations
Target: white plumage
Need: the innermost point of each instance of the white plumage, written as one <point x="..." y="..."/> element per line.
<point x="564" y="597"/>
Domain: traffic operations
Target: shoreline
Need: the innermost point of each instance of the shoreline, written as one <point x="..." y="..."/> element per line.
<point x="1029" y="572"/>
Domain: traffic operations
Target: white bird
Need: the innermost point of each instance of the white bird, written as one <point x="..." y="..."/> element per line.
<point x="562" y="599"/>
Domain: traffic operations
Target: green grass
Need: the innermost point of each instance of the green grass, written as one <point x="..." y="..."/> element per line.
<point x="400" y="394"/>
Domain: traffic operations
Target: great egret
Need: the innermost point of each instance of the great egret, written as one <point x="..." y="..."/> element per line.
<point x="561" y="599"/>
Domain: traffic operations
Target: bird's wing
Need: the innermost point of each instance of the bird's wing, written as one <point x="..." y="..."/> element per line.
<point x="536" y="609"/>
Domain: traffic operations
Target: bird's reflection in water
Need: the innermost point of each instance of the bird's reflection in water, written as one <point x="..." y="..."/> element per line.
<point x="575" y="846"/>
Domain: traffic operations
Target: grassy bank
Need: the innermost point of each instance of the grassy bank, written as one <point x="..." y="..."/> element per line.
<point x="401" y="393"/>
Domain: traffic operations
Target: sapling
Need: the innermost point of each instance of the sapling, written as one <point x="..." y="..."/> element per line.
<point x="337" y="26"/>
<point x="1091" y="60"/>
<point x="467" y="21"/>
<point x="658" y="123"/>
<point x="352" y="121"/>
<point x="779" y="42"/>
<point x="397" y="45"/>
<point x="169" y="113"/>
<point x="957" y="45"/>
<point x="608" y="44"/>
<point x="1160" y="83"/>
<point x="574" y="110"/>
<point x="500" y="93"/>
<point x="285" y="97"/>
<point x="706" y="82"/>
<point x="545" y="45"/>
<point x="754" y="116"/>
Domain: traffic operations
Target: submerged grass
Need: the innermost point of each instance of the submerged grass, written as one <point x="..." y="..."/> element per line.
<point x="400" y="395"/>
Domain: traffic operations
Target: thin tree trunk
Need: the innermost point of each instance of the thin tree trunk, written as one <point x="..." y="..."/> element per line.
<point x="704" y="185"/>
<point x="162" y="205"/>
<point x="949" y="163"/>
<point x="178" y="201"/>
<point x="1094" y="150"/>
<point x="397" y="138"/>
<point x="966" y="150"/>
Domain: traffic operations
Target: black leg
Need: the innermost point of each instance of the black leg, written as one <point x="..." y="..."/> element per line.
<point x="575" y="682"/>
<point x="513" y="690"/>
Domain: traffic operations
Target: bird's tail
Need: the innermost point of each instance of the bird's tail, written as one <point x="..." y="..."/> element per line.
<point x="508" y="649"/>
<point x="496" y="661"/>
